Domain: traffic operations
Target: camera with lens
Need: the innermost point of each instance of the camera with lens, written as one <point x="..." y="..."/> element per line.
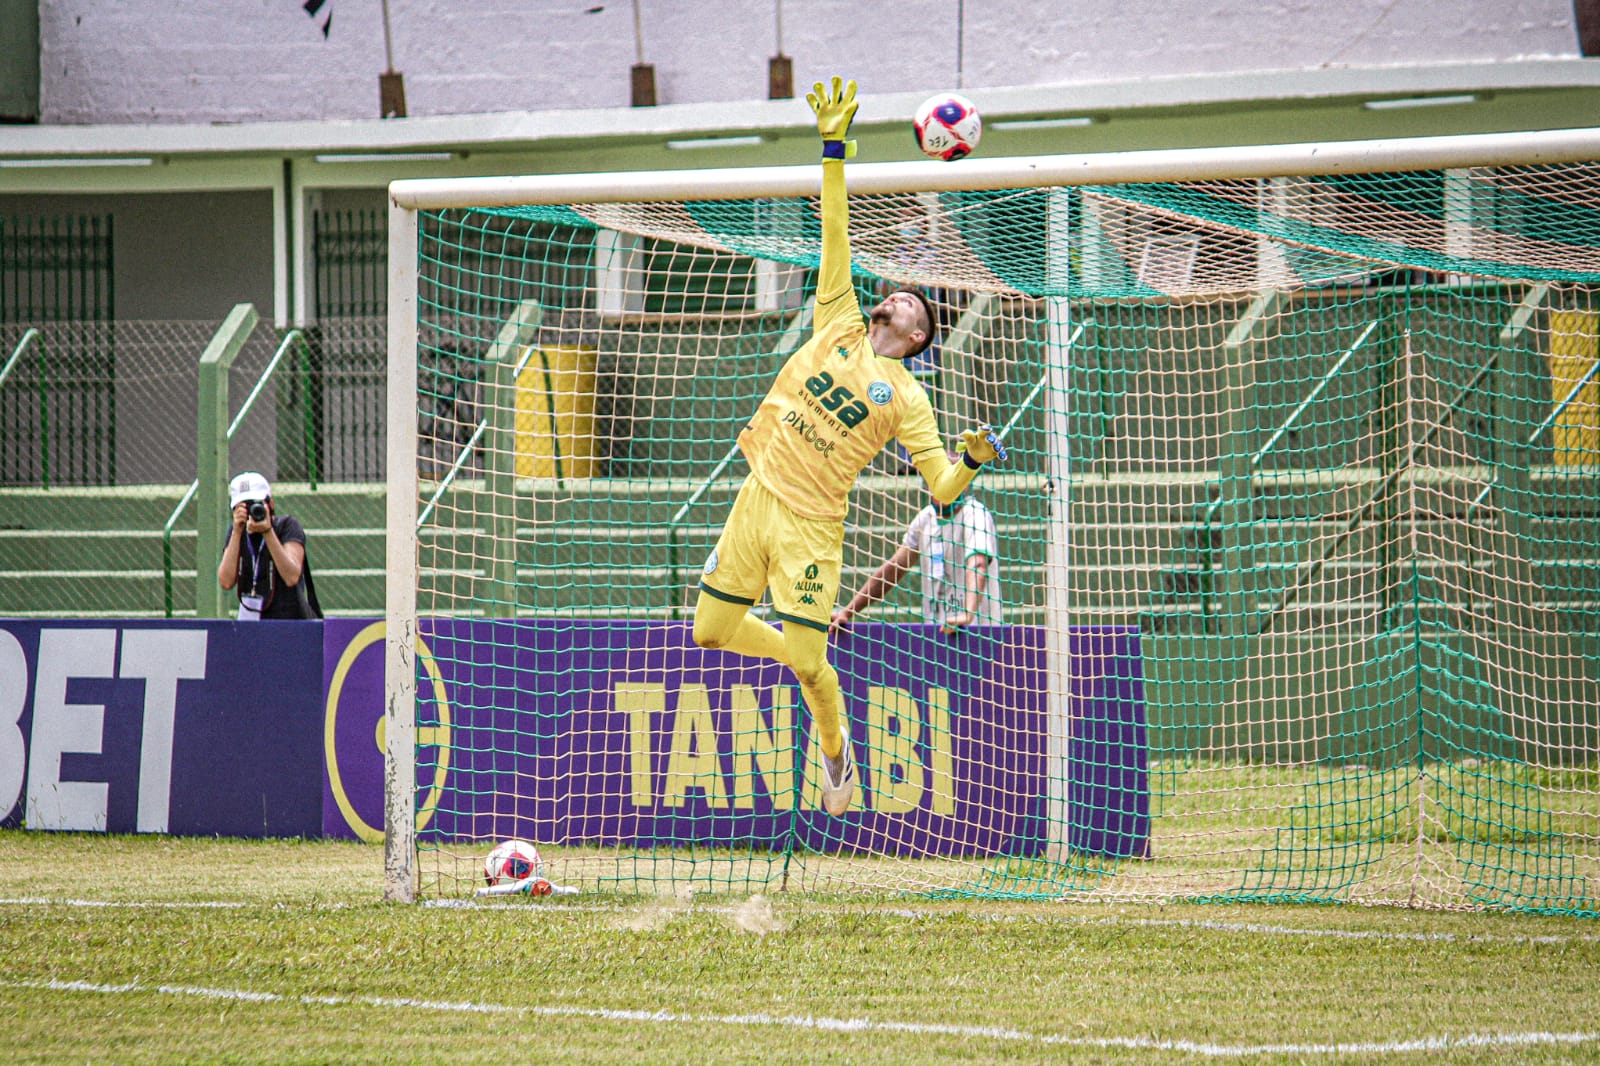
<point x="257" y="510"/>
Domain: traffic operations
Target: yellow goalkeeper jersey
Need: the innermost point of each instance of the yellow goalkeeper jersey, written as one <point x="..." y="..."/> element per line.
<point x="836" y="402"/>
<point x="834" y="405"/>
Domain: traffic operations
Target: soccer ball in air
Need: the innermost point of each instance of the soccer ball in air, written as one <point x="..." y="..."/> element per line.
<point x="947" y="126"/>
<point x="512" y="860"/>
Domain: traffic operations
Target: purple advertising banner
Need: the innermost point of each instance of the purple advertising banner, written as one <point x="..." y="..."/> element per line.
<point x="194" y="728"/>
<point x="627" y="733"/>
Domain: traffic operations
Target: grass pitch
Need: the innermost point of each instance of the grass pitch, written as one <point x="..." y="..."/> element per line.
<point x="158" y="950"/>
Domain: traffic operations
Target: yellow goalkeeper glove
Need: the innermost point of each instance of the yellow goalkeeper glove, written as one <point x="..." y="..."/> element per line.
<point x="981" y="445"/>
<point x="835" y="108"/>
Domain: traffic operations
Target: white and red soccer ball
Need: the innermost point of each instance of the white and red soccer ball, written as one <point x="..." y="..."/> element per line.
<point x="512" y="861"/>
<point x="947" y="126"/>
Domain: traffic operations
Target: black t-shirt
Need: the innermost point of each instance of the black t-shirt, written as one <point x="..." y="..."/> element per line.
<point x="258" y="577"/>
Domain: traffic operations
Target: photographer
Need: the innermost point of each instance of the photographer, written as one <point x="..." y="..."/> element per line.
<point x="264" y="556"/>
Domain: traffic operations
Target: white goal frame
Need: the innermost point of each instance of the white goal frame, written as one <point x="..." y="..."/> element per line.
<point x="408" y="197"/>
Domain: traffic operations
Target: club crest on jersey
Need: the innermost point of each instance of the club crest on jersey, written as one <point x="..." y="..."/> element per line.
<point x="880" y="392"/>
<point x="838" y="400"/>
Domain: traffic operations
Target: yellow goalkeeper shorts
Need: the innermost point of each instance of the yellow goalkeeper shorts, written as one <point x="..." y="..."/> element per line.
<point x="766" y="545"/>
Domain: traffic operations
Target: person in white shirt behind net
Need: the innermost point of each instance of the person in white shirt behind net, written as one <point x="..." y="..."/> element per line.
<point x="957" y="550"/>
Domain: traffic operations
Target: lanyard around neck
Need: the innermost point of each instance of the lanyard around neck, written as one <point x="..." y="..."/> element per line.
<point x="255" y="562"/>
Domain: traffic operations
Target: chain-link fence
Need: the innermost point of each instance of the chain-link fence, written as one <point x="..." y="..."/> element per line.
<point x="99" y="438"/>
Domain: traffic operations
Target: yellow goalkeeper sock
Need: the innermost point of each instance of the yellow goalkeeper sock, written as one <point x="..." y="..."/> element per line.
<point x="731" y="626"/>
<point x="819" y="683"/>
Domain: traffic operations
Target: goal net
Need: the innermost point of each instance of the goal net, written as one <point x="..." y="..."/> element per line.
<point x="1295" y="563"/>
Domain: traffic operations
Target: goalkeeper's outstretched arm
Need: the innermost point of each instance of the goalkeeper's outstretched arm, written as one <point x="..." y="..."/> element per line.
<point x="947" y="480"/>
<point x="835" y="108"/>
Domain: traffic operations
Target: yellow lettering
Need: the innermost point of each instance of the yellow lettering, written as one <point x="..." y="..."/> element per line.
<point x="759" y="750"/>
<point x="941" y="775"/>
<point x="692" y="760"/>
<point x="894" y="725"/>
<point x="639" y="702"/>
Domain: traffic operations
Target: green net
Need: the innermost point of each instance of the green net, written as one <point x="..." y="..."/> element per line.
<point x="1295" y="561"/>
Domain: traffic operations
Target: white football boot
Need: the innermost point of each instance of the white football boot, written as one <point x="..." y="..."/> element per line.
<point x="839" y="776"/>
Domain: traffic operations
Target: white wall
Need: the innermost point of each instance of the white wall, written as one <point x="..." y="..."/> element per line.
<point x="155" y="61"/>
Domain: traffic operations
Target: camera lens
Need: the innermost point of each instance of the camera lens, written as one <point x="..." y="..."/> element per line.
<point x="258" y="511"/>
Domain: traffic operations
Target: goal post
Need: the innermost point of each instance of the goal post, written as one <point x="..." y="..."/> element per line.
<point x="400" y="566"/>
<point x="1293" y="559"/>
<point x="1528" y="148"/>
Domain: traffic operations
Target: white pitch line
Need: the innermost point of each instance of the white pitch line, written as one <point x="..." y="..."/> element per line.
<point x="132" y="903"/>
<point x="841" y="1025"/>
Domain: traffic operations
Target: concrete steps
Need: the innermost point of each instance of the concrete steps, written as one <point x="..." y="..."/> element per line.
<point x="102" y="552"/>
<point x="1141" y="552"/>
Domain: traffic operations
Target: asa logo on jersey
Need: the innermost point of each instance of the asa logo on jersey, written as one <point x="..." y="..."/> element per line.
<point x="837" y="400"/>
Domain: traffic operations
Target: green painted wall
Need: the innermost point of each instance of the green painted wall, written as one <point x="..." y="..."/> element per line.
<point x="19" y="61"/>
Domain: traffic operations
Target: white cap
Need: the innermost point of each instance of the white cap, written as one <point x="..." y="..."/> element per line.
<point x="248" y="486"/>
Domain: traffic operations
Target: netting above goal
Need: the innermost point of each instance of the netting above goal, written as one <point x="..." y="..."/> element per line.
<point x="1172" y="239"/>
<point x="1288" y="589"/>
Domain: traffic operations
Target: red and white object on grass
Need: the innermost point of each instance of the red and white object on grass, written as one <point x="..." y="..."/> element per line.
<point x="511" y="861"/>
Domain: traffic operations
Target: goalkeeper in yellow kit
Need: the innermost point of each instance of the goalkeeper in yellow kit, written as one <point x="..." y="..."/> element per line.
<point x="835" y="404"/>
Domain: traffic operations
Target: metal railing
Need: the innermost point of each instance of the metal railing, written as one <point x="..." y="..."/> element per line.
<point x="1288" y="424"/>
<point x="293" y="337"/>
<point x="1208" y="549"/>
<point x="519" y="333"/>
<point x="1308" y="574"/>
<point x="675" y="523"/>
<point x="1538" y="431"/>
<point x="29" y="339"/>
<point x="1027" y="401"/>
<point x="466" y="449"/>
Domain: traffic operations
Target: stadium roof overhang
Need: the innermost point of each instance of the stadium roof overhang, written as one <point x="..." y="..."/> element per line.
<point x="1251" y="108"/>
<point x="299" y="165"/>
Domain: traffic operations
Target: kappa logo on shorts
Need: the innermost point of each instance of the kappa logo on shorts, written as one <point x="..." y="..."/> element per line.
<point x="880" y="392"/>
<point x="711" y="563"/>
